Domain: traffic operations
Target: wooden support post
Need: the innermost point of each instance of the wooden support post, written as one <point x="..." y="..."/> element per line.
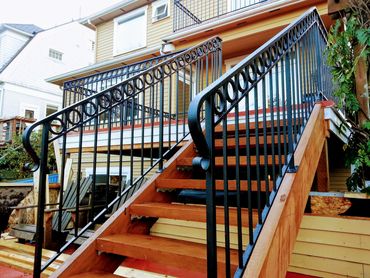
<point x="36" y="179"/>
<point x="362" y="90"/>
<point x="48" y="216"/>
<point x="68" y="173"/>
<point x="322" y="172"/>
<point x="58" y="158"/>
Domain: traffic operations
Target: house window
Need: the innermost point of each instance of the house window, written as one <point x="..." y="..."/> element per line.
<point x="50" y="109"/>
<point x="29" y="114"/>
<point x="55" y="54"/>
<point x="160" y="10"/>
<point x="130" y="31"/>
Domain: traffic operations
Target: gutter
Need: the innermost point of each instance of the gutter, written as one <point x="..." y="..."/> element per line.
<point x="226" y="19"/>
<point x="106" y="11"/>
<point x="19" y="31"/>
<point x="1" y="98"/>
<point x="100" y="65"/>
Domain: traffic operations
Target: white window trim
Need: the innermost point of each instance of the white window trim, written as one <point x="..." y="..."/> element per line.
<point x="157" y="4"/>
<point x="27" y="106"/>
<point x="129" y="14"/>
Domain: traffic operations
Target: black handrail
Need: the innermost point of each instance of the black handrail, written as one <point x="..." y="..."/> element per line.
<point x="283" y="78"/>
<point x="151" y="108"/>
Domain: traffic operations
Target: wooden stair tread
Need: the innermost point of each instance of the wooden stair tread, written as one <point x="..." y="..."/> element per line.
<point x="94" y="274"/>
<point x="219" y="143"/>
<point x="187" y="255"/>
<point x="164" y="270"/>
<point x="219" y="161"/>
<point x="188" y="212"/>
<point x="201" y="184"/>
<point x="252" y="126"/>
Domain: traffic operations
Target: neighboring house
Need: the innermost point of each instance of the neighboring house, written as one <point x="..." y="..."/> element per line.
<point x="28" y="55"/>
<point x="127" y="114"/>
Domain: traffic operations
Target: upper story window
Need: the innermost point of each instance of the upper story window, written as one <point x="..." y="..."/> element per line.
<point x="160" y="10"/>
<point x="29" y="114"/>
<point x="55" y="54"/>
<point x="130" y="31"/>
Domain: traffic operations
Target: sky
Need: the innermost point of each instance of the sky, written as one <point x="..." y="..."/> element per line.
<point x="49" y="13"/>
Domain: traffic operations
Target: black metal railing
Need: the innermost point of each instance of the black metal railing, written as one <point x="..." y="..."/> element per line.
<point x="77" y="89"/>
<point x="191" y="13"/>
<point x="119" y="158"/>
<point x="265" y="100"/>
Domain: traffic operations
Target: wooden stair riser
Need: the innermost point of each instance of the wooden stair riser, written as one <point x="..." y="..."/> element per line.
<point x="178" y="253"/>
<point x="232" y="161"/>
<point x="189" y="212"/>
<point x="201" y="184"/>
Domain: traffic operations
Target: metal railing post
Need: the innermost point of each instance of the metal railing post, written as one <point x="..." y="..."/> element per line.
<point x="210" y="192"/>
<point x="291" y="166"/>
<point x="41" y="201"/>
<point x="161" y="119"/>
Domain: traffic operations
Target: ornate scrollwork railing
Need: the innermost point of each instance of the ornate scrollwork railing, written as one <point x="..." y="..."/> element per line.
<point x="80" y="88"/>
<point x="132" y="126"/>
<point x="269" y="96"/>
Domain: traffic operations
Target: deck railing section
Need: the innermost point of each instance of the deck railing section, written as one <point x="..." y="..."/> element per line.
<point x="191" y="13"/>
<point x="119" y="158"/>
<point x="282" y="79"/>
<point x="78" y="89"/>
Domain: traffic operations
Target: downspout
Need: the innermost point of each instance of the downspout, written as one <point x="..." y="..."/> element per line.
<point x="1" y="98"/>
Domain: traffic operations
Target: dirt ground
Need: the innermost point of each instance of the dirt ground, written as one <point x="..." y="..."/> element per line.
<point x="10" y="196"/>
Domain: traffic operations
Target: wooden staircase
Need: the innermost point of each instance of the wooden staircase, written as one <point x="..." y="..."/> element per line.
<point x="127" y="234"/>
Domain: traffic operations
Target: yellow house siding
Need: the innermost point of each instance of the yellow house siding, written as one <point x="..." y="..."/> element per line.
<point x="159" y="29"/>
<point x="325" y="246"/>
<point x="104" y="41"/>
<point x="87" y="162"/>
<point x="155" y="32"/>
<point x="338" y="178"/>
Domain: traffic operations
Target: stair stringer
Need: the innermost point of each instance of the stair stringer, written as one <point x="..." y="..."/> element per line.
<point x="273" y="249"/>
<point x="86" y="258"/>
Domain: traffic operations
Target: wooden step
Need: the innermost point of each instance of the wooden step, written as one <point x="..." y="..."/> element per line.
<point x="252" y="126"/>
<point x="231" y="160"/>
<point x="201" y="184"/>
<point x="219" y="143"/>
<point x="178" y="253"/>
<point x="96" y="274"/>
<point x="188" y="212"/>
<point x="146" y="269"/>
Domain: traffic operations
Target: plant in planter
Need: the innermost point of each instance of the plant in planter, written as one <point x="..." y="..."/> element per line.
<point x="348" y="55"/>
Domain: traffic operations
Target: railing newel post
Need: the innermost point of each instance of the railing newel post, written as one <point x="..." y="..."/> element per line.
<point x="43" y="171"/>
<point x="211" y="191"/>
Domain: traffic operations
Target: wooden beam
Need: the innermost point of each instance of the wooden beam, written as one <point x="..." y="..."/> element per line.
<point x="322" y="172"/>
<point x="271" y="254"/>
<point x="337" y="5"/>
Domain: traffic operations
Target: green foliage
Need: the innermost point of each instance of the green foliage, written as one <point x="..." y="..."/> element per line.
<point x="13" y="158"/>
<point x="341" y="58"/>
<point x="357" y="153"/>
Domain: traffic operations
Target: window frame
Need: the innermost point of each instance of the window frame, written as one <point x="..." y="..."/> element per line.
<point x="55" y="54"/>
<point x="157" y="4"/>
<point x="126" y="17"/>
